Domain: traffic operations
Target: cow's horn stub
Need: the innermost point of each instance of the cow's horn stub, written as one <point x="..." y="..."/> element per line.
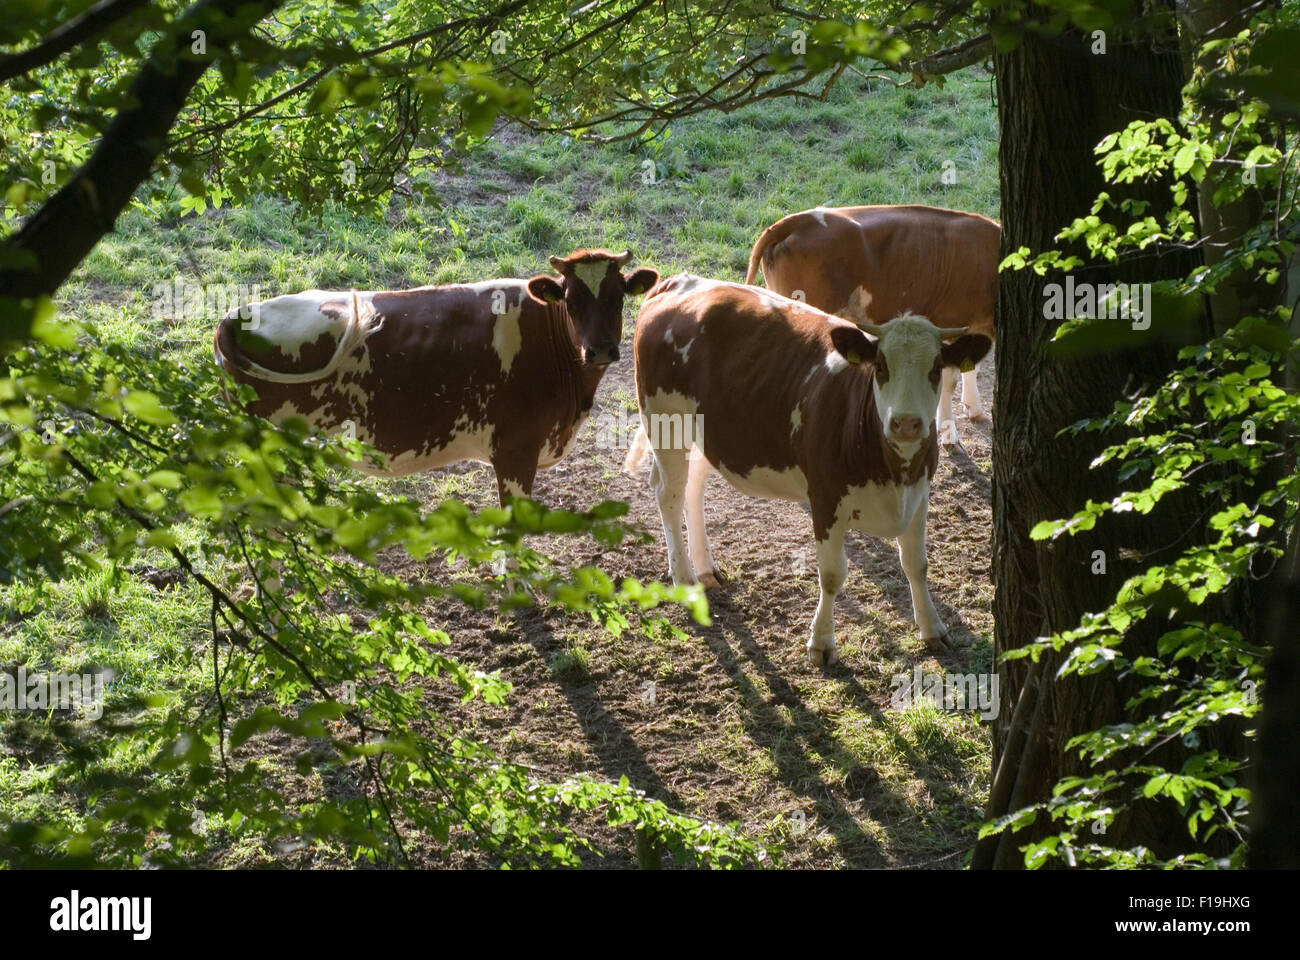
<point x="622" y="258"/>
<point x="871" y="328"/>
<point x="559" y="263"/>
<point x="949" y="332"/>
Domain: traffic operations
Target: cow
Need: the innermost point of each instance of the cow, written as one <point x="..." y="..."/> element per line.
<point x="502" y="371"/>
<point x="792" y="403"/>
<point x="868" y="264"/>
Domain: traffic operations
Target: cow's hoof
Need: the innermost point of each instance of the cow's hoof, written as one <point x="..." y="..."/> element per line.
<point x="710" y="579"/>
<point x="939" y="644"/>
<point x="948" y="434"/>
<point x="822" y="656"/>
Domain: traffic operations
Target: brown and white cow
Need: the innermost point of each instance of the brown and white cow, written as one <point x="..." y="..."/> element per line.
<point x="502" y="371"/>
<point x="870" y="264"/>
<point x="792" y="403"/>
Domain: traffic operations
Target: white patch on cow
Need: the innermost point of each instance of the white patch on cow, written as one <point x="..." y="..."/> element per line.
<point x="796" y="419"/>
<point x="819" y="214"/>
<point x="858" y="309"/>
<point x="290" y="409"/>
<point x="507" y="336"/>
<point x="515" y="289"/>
<point x="468" y="442"/>
<point x="769" y="484"/>
<point x="834" y="363"/>
<point x="591" y="274"/>
<point x="882" y="509"/>
<point x="293" y="320"/>
<point x="551" y="454"/>
<point x="670" y="402"/>
<point x="668" y="335"/>
<point x="684" y="350"/>
<point x="512" y="488"/>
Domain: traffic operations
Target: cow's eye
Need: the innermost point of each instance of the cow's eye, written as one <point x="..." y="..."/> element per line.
<point x="936" y="372"/>
<point x="882" y="368"/>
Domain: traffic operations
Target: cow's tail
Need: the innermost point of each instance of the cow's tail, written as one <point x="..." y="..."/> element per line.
<point x="766" y="240"/>
<point x="361" y="323"/>
<point x="638" y="453"/>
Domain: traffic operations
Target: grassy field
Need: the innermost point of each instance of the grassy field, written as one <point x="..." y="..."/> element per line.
<point x="739" y="727"/>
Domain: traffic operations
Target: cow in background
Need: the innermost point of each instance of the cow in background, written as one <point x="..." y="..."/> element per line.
<point x="870" y="264"/>
<point x="502" y="371"/>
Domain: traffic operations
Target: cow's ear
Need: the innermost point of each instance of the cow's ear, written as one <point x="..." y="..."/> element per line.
<point x="966" y="351"/>
<point x="639" y="281"/>
<point x="546" y="289"/>
<point x="853" y="345"/>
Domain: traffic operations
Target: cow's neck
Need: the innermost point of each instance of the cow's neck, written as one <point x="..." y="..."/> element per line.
<point x="577" y="380"/>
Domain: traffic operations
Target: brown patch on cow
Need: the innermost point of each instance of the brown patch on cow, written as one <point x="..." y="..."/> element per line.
<point x="889" y="259"/>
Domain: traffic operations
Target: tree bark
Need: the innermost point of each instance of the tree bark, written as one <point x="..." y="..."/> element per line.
<point x="1056" y="100"/>
<point x="67" y="227"/>
<point x="1275" y="836"/>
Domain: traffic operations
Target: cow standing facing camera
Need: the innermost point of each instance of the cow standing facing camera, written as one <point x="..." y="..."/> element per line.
<point x="792" y="403"/>
<point x="502" y="371"/>
<point x="871" y="264"/>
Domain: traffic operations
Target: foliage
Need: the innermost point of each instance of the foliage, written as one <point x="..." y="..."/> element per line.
<point x="1220" y="424"/>
<point x="113" y="457"/>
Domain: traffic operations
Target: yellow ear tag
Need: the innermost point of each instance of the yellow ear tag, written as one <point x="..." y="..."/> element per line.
<point x="967" y="366"/>
<point x="852" y="358"/>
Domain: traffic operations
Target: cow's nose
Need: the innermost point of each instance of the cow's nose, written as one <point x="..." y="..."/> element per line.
<point x="905" y="428"/>
<point x="601" y="355"/>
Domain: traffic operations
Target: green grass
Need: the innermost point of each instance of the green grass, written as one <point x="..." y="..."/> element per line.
<point x="718" y="181"/>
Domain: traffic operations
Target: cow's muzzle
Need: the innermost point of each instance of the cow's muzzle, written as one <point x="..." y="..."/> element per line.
<point x="905" y="429"/>
<point x="599" y="356"/>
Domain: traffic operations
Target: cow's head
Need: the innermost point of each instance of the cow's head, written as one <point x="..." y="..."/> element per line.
<point x="592" y="286"/>
<point x="908" y="354"/>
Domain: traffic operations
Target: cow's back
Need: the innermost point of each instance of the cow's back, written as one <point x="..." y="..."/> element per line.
<point x="871" y="263"/>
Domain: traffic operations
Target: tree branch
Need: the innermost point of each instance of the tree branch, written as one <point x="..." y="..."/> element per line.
<point x="948" y="59"/>
<point x="70" y="223"/>
<point x="66" y="36"/>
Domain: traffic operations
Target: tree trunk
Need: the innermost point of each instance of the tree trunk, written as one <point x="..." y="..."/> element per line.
<point x="1056" y="100"/>
<point x="40" y="257"/>
<point x="1275" y="836"/>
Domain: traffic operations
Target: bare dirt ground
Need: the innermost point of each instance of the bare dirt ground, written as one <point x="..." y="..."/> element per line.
<point x="731" y="723"/>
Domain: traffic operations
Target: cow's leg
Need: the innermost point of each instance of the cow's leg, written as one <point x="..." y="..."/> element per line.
<point x="911" y="552"/>
<point x="832" y="568"/>
<point x="697" y="537"/>
<point x="638" y="453"/>
<point x="970" y="395"/>
<point x="669" y="477"/>
<point x="947" y="423"/>
<point x="515" y="474"/>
